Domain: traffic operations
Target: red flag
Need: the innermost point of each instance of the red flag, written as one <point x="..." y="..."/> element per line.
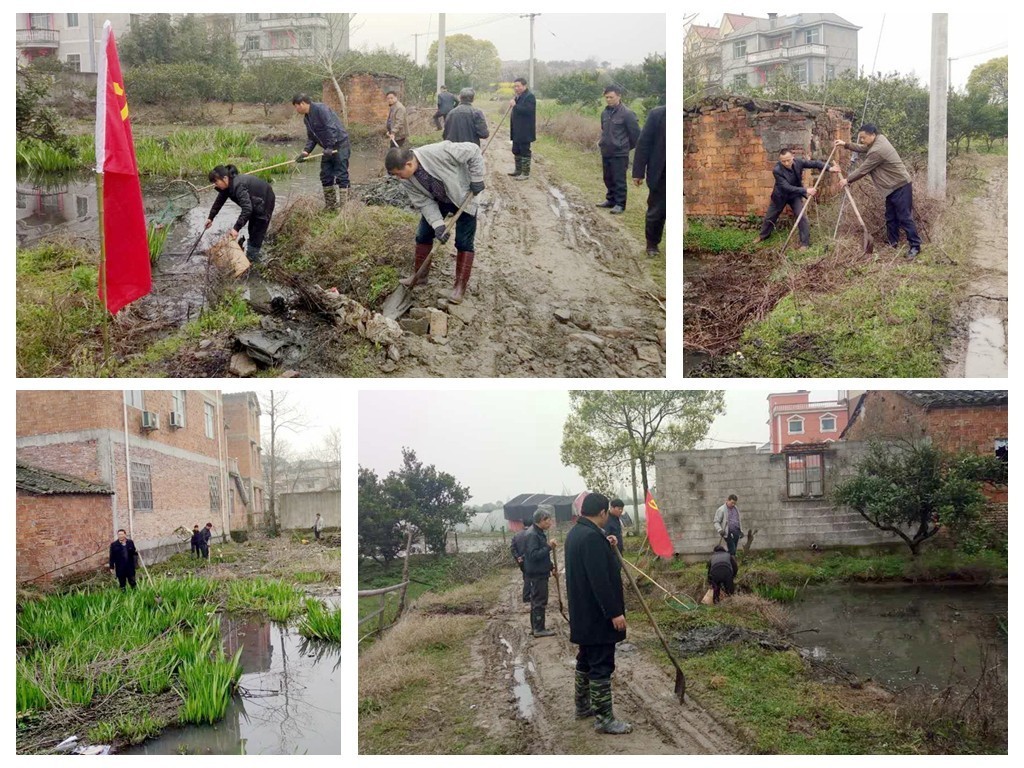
<point x="657" y="533"/>
<point x="124" y="272"/>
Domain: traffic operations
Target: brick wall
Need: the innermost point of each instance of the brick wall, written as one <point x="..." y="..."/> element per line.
<point x="42" y="412"/>
<point x="55" y="531"/>
<point x="364" y="94"/>
<point x="731" y="147"/>
<point x="693" y="484"/>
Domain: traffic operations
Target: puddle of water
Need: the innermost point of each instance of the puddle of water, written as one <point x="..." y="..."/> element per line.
<point x="292" y="703"/>
<point x="986" y="348"/>
<point x="520" y="686"/>
<point x="906" y="634"/>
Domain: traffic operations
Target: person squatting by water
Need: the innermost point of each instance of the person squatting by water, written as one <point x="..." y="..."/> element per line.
<point x="438" y="178"/>
<point x="255" y="198"/>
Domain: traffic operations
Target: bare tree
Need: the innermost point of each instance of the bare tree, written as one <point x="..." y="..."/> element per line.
<point x="329" y="453"/>
<point x="325" y="55"/>
<point x="285" y="416"/>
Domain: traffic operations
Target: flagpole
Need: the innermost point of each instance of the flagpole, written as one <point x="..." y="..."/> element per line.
<point x="103" y="269"/>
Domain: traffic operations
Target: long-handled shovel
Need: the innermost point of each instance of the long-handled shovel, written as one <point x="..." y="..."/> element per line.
<point x="558" y="589"/>
<point x="680" y="686"/>
<point x="807" y="204"/>
<point x="869" y="243"/>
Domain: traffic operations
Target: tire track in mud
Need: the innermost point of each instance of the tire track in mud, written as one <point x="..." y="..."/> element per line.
<point x="540" y="249"/>
<point x="522" y="690"/>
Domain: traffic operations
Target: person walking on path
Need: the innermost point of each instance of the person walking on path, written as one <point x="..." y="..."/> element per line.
<point x="790" y="190"/>
<point x="255" y="198"/>
<point x="649" y="161"/>
<point x="445" y="104"/>
<point x="122" y="559"/>
<point x="597" y="613"/>
<point x="324" y="127"/>
<point x="727" y="523"/>
<point x="620" y="131"/>
<point x="538" y="567"/>
<point x="522" y="127"/>
<point x="438" y="178"/>
<point x="885" y="167"/>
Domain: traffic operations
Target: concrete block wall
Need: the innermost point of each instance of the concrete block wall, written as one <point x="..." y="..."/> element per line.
<point x="55" y="531"/>
<point x="730" y="152"/>
<point x="297" y="511"/>
<point x="693" y="484"/>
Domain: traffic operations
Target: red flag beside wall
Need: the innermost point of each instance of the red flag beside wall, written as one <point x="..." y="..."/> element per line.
<point x="657" y="533"/>
<point x="124" y="270"/>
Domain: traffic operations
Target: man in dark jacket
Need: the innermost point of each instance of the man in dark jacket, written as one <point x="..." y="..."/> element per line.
<point x="518" y="553"/>
<point x="790" y="190"/>
<point x="207" y="534"/>
<point x="445" y="104"/>
<point x="324" y="127"/>
<point x="255" y="198"/>
<point x="597" y="610"/>
<point x="620" y="131"/>
<point x="197" y="541"/>
<point x="466" y="122"/>
<point x="522" y="127"/>
<point x="614" y="525"/>
<point x="122" y="559"/>
<point x="649" y="160"/>
<point x="537" y="566"/>
<point x="722" y="569"/>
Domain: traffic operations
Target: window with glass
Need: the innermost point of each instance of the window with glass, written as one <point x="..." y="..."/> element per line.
<point x="142" y="487"/>
<point x="739" y="49"/>
<point x="133" y="398"/>
<point x="805" y="475"/>
<point x="208" y="418"/>
<point x="796" y="425"/>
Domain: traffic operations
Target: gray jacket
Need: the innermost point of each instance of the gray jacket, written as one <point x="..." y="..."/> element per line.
<point x="882" y="163"/>
<point x="455" y="166"/>
<point x="722" y="519"/>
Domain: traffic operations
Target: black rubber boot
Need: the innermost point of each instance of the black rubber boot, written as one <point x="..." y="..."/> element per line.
<point x="601" y="699"/>
<point x="524" y="171"/>
<point x="330" y="199"/>
<point x="253" y="255"/>
<point x="583" y="707"/>
<point x="519" y="166"/>
<point x="537" y="622"/>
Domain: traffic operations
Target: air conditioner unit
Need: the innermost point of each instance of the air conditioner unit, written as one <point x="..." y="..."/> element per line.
<point x="150" y="420"/>
<point x="177" y="420"/>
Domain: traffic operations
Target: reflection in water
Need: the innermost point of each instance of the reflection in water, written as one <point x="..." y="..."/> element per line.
<point x="289" y="699"/>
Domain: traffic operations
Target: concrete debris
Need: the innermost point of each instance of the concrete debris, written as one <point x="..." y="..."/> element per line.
<point x="273" y="345"/>
<point x="418" y="326"/>
<point x="563" y="315"/>
<point x="242" y="366"/>
<point x="614" y="332"/>
<point x="588" y="338"/>
<point x="372" y="326"/>
<point x="649" y="353"/>
<point x="438" y="324"/>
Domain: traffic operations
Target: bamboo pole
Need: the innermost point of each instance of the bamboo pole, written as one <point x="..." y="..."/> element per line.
<point x="103" y="269"/>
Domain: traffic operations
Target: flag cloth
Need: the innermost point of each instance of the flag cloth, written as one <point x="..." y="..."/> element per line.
<point x="657" y="533"/>
<point x="124" y="272"/>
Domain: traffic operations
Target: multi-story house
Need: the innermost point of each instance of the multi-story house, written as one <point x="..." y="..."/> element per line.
<point x="74" y="38"/>
<point x="245" y="458"/>
<point x="288" y="35"/>
<point x="794" y="419"/>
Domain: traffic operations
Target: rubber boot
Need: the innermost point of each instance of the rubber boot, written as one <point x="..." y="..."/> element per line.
<point x="519" y="166"/>
<point x="601" y="699"/>
<point x="524" y="171"/>
<point x="330" y="199"/>
<point x="253" y="255"/>
<point x="584" y="708"/>
<point x="342" y="196"/>
<point x="537" y="622"/>
<point x="652" y="248"/>
<point x="422" y="251"/>
<point x="463" y="269"/>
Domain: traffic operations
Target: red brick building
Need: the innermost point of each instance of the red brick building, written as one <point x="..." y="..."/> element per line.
<point x="245" y="467"/>
<point x="796" y="420"/>
<point x="364" y="96"/>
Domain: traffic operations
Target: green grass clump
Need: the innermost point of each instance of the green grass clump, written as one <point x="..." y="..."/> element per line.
<point x="206" y="688"/>
<point x="35" y="155"/>
<point x="706" y="239"/>
<point x="277" y="599"/>
<point x="321" y="622"/>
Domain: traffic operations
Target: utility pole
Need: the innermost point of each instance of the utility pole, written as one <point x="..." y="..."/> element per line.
<point x="440" y="52"/>
<point x="531" y="17"/>
<point x="937" y="101"/>
<point x="416" y="46"/>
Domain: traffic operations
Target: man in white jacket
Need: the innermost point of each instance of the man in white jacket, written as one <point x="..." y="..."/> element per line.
<point x="727" y="523"/>
<point x="438" y="178"/>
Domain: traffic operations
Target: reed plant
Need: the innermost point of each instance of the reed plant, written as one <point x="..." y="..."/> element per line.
<point x="321" y="622"/>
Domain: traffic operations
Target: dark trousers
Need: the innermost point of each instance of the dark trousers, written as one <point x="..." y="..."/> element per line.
<point x="654" y="225"/>
<point x="899" y="207"/>
<point x="204" y="551"/>
<point x="539" y="591"/>
<point x="615" y="179"/>
<point x="732" y="538"/>
<point x="258" y="230"/>
<point x="465" y="229"/>
<point x="334" y="168"/>
<point x="776" y="207"/>
<point x="126" y="576"/>
<point x="316" y="534"/>
<point x="522" y="149"/>
<point x="596" y="661"/>
<point x="526" y="585"/>
<point x="439" y="118"/>
<point x="195" y="550"/>
<point x="722" y="579"/>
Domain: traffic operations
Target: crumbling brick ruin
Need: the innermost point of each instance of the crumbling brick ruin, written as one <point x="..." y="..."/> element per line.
<point x="732" y="144"/>
<point x="364" y="92"/>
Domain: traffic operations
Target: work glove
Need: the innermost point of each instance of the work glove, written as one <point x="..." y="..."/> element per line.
<point x="441" y="233"/>
<point x="301" y="158"/>
<point x="476" y="187"/>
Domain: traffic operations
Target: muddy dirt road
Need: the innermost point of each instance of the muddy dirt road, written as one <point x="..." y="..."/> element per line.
<point x="979" y="346"/>
<point x="522" y="687"/>
<point x="542" y="249"/>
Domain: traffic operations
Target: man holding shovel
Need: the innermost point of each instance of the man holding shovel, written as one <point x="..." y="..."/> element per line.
<point x="597" y="610"/>
<point x="438" y="179"/>
<point x="885" y="167"/>
<point x="324" y="127"/>
<point x="397" y="125"/>
<point x="537" y="566"/>
<point x="790" y="190"/>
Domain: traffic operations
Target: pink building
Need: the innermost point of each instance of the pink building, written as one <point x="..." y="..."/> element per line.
<point x="795" y="419"/>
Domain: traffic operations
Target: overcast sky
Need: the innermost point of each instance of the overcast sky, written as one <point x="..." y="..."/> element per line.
<point x="906" y="40"/>
<point x="501" y="443"/>
<point x="321" y="409"/>
<point x="617" y="38"/>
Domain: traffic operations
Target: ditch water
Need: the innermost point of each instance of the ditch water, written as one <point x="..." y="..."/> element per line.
<point x="289" y="699"/>
<point x="901" y="635"/>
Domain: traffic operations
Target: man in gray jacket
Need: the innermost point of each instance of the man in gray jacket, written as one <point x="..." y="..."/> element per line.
<point x="438" y="178"/>
<point x="727" y="523"/>
<point x="885" y="167"/>
<point x="619" y="133"/>
<point x="466" y="122"/>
